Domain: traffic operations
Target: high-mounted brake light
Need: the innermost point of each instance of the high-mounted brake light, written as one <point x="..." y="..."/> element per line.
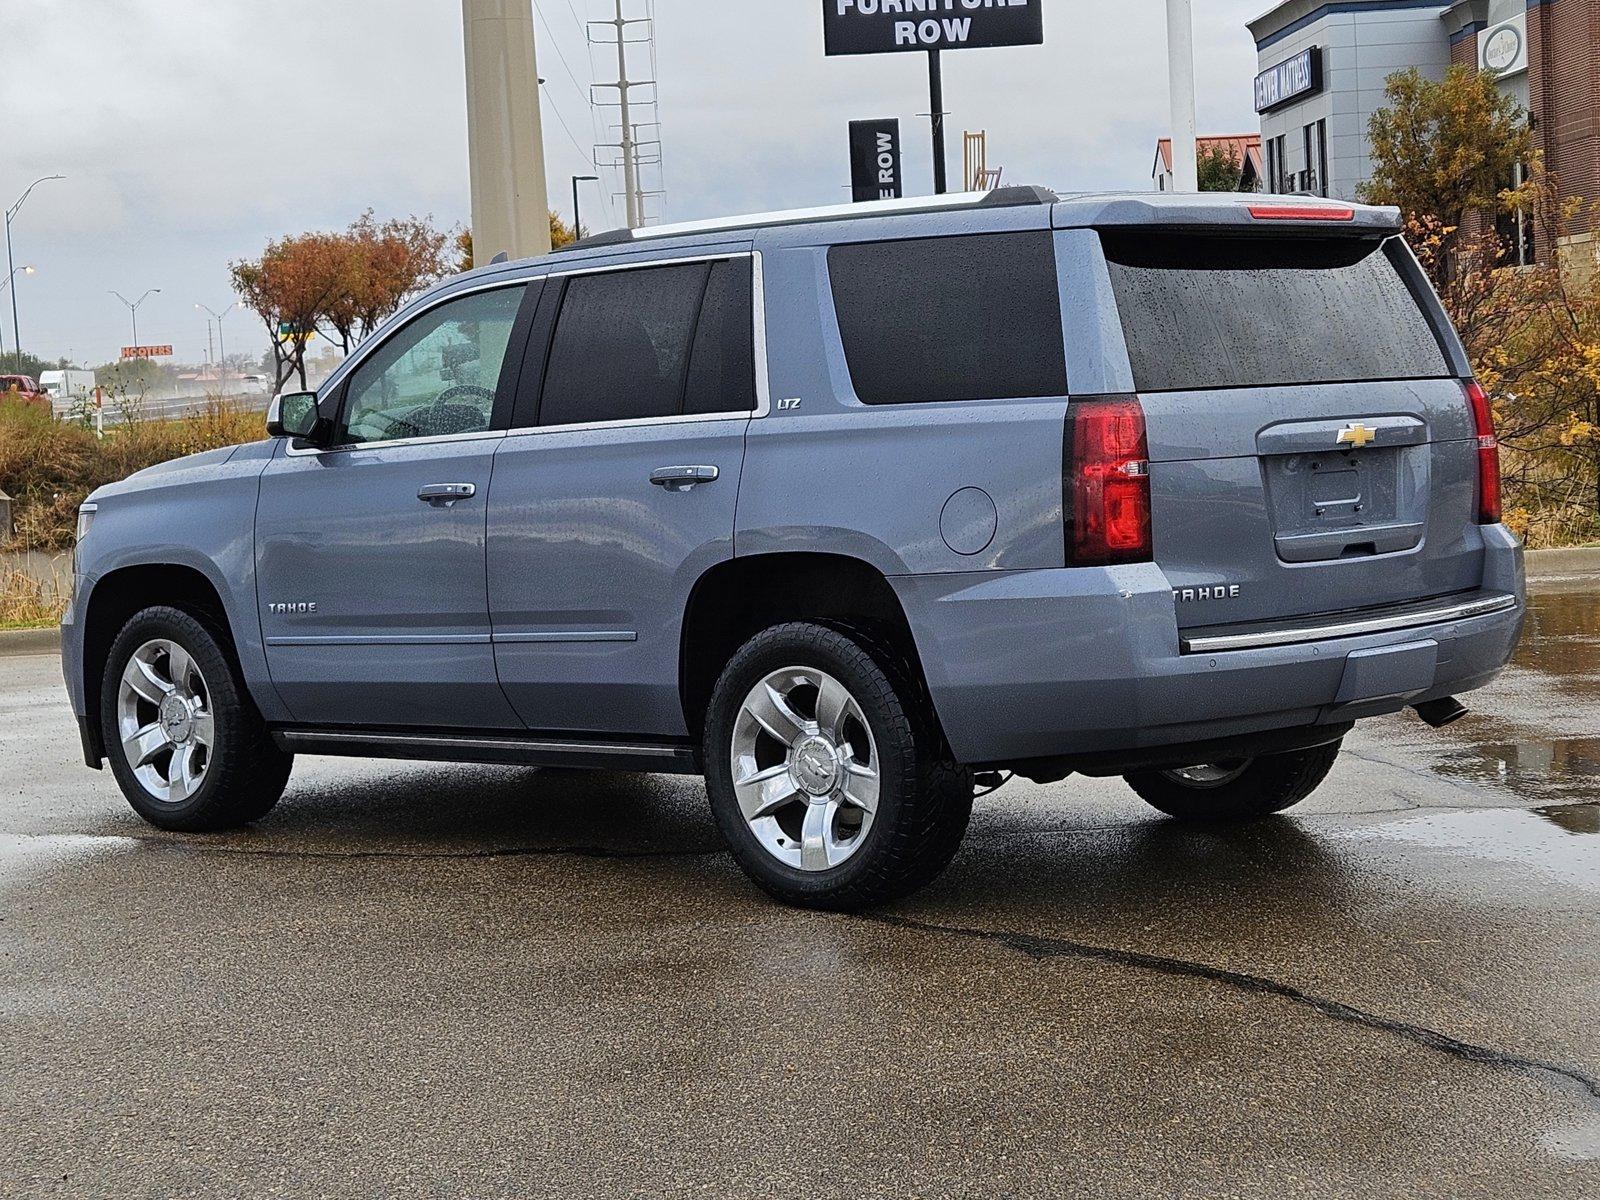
<point x="1488" y="454"/>
<point x="1302" y="212"/>
<point x="1107" y="482"/>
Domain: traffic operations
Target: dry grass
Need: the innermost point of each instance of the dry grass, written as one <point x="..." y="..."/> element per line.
<point x="49" y="466"/>
<point x="25" y="603"/>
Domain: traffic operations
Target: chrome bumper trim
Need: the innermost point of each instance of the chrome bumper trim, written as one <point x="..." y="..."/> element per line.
<point x="1291" y="635"/>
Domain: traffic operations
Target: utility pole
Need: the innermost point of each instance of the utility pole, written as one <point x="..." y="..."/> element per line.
<point x="505" y="134"/>
<point x="630" y="144"/>
<point x="1180" y="70"/>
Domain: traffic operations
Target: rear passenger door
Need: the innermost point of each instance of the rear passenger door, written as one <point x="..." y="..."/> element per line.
<point x="615" y="490"/>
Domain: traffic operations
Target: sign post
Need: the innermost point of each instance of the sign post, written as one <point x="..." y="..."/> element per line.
<point x="885" y="27"/>
<point x="875" y="160"/>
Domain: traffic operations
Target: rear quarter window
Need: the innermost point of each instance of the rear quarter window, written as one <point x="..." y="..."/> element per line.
<point x="953" y="318"/>
<point x="1203" y="311"/>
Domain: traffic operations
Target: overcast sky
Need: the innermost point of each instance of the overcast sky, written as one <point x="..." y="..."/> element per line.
<point x="192" y="132"/>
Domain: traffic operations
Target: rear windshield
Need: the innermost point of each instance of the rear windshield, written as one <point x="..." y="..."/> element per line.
<point x="1216" y="312"/>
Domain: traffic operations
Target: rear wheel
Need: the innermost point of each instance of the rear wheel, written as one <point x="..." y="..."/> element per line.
<point x="826" y="771"/>
<point x="186" y="745"/>
<point x="1237" y="790"/>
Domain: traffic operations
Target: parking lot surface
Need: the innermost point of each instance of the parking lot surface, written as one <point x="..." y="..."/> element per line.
<point x="423" y="980"/>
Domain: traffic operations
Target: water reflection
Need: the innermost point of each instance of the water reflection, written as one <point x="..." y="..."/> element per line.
<point x="1536" y="730"/>
<point x="1562" y="638"/>
<point x="1574" y="818"/>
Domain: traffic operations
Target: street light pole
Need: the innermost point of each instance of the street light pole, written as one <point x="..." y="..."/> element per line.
<point x="577" y="220"/>
<point x="133" y="307"/>
<point x="11" y="213"/>
<point x="222" y="347"/>
<point x="1180" y="70"/>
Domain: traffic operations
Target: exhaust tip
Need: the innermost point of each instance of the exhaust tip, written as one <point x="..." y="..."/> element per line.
<point x="1441" y="712"/>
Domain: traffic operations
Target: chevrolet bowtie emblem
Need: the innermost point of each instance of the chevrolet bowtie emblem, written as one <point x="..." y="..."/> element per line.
<point x="1356" y="436"/>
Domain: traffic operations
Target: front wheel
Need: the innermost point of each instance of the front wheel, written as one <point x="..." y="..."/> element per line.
<point x="1239" y="790"/>
<point x="826" y="771"/>
<point x="186" y="745"/>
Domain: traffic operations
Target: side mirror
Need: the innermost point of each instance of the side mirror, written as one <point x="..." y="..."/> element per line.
<point x="295" y="415"/>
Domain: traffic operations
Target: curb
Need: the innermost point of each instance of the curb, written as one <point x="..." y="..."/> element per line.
<point x="14" y="642"/>
<point x="1549" y="564"/>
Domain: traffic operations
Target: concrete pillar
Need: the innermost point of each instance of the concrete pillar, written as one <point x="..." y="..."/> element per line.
<point x="505" y="137"/>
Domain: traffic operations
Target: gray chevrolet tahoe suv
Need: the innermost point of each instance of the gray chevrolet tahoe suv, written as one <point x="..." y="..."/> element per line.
<point x="848" y="510"/>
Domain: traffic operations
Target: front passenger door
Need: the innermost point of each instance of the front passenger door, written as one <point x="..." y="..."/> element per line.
<point x="370" y="554"/>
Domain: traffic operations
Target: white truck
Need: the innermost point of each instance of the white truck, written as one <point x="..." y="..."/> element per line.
<point x="66" y="388"/>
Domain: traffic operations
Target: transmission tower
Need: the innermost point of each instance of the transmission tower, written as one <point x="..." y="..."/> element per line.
<point x="638" y="110"/>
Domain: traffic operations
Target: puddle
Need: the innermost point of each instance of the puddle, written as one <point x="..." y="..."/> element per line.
<point x="1574" y="818"/>
<point x="1562" y="638"/>
<point x="1539" y="841"/>
<point x="1532" y="766"/>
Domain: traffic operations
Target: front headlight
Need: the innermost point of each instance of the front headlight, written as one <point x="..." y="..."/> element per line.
<point x="86" y="514"/>
<point x="85" y="519"/>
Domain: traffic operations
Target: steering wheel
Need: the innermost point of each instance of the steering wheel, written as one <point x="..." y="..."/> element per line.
<point x="462" y="391"/>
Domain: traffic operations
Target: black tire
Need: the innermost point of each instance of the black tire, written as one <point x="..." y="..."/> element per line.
<point x="924" y="800"/>
<point x="1261" y="787"/>
<point x="245" y="772"/>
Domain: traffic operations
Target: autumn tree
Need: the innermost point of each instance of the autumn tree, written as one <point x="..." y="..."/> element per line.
<point x="1443" y="148"/>
<point x="1532" y="335"/>
<point x="290" y="288"/>
<point x="1220" y="170"/>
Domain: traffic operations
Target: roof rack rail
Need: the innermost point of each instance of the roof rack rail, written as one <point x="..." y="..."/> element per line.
<point x="1006" y="197"/>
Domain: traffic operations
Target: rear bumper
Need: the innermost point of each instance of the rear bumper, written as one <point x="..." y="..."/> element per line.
<point x="1087" y="661"/>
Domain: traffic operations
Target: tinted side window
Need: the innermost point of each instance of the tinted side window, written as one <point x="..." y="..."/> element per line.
<point x="1210" y="312"/>
<point x="953" y="318"/>
<point x="722" y="372"/>
<point x="621" y="345"/>
<point x="436" y="376"/>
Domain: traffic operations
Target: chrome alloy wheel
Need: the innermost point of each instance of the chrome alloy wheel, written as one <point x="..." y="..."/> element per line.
<point x="164" y="721"/>
<point x="1210" y="775"/>
<point x="805" y="768"/>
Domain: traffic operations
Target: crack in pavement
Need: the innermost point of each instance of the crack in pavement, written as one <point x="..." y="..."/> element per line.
<point x="1567" y="1079"/>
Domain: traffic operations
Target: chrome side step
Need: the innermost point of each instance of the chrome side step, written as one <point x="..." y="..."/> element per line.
<point x="468" y="746"/>
<point x="1352" y="625"/>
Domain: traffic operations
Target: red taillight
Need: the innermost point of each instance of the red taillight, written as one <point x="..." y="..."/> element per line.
<point x="1488" y="455"/>
<point x="1107" y="465"/>
<point x="1302" y="212"/>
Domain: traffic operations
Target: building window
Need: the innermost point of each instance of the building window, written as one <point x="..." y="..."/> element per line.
<point x="1515" y="229"/>
<point x="1322" y="158"/>
<point x="1315" y="178"/>
<point x="1279" y="178"/>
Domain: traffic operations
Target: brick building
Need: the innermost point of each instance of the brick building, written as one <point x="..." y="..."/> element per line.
<point x="1323" y="67"/>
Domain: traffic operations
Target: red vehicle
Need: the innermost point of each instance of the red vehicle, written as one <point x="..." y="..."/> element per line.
<point x="25" y="387"/>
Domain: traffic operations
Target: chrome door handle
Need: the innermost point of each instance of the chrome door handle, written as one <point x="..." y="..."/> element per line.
<point x="681" y="479"/>
<point x="446" y="494"/>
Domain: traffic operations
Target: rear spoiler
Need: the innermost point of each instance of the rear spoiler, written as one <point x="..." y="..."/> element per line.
<point x="1235" y="212"/>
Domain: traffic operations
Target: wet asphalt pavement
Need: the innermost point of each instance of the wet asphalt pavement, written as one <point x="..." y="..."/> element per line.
<point x="420" y="980"/>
